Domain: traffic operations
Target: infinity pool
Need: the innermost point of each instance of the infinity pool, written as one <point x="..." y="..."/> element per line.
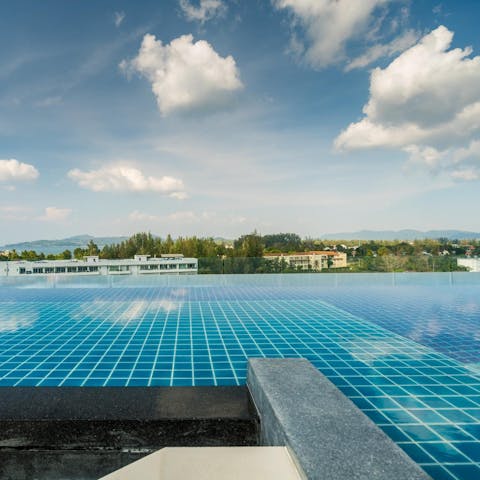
<point x="404" y="348"/>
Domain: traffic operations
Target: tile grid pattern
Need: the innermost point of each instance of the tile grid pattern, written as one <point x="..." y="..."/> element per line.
<point x="425" y="401"/>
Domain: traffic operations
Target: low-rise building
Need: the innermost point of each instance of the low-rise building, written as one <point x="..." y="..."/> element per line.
<point x="93" y="265"/>
<point x="472" y="264"/>
<point x="314" y="260"/>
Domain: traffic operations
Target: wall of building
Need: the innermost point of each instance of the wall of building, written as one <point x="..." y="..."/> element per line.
<point x="473" y="264"/>
<point x="140" y="265"/>
<point x="316" y="261"/>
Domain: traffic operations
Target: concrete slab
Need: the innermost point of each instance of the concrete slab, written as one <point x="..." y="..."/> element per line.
<point x="328" y="435"/>
<point x="212" y="463"/>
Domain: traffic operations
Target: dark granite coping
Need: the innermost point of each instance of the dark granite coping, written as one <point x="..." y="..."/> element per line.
<point x="329" y="437"/>
<point x="83" y="433"/>
<point x="124" y="403"/>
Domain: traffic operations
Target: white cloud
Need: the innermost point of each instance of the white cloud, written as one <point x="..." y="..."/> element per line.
<point x="183" y="216"/>
<point x="119" y="178"/>
<point x="206" y="10"/>
<point x="12" y="170"/>
<point x="427" y="103"/>
<point x="55" y="214"/>
<point x="179" y="195"/>
<point x="466" y="174"/>
<point x="137" y="216"/>
<point x="396" y="46"/>
<point x="329" y="25"/>
<point x="118" y="18"/>
<point x="426" y="156"/>
<point x="14" y="212"/>
<point x="49" y="102"/>
<point x="185" y="75"/>
<point x="469" y="153"/>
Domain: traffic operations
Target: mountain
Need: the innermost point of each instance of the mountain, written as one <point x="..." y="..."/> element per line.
<point x="58" y="246"/>
<point x="402" y="235"/>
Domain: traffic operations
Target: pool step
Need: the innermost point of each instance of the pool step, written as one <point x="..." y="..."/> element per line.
<point x="212" y="463"/>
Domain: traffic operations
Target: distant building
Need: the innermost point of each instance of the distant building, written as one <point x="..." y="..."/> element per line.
<point x="473" y="264"/>
<point x="93" y="265"/>
<point x="315" y="260"/>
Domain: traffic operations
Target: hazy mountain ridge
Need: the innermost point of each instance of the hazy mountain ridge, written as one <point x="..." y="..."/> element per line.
<point x="58" y="246"/>
<point x="402" y="235"/>
<point x="71" y="243"/>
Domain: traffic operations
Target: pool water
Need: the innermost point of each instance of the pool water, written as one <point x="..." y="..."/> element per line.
<point x="404" y="349"/>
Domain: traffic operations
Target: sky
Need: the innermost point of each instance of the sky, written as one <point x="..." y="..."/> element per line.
<point x="219" y="117"/>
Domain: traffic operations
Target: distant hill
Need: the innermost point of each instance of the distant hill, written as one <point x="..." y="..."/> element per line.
<point x="58" y="246"/>
<point x="401" y="235"/>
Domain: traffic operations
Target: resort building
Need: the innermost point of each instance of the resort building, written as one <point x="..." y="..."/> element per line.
<point x="314" y="260"/>
<point x="473" y="264"/>
<point x="93" y="265"/>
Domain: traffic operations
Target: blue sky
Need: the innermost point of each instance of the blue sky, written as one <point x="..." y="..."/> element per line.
<point x="217" y="117"/>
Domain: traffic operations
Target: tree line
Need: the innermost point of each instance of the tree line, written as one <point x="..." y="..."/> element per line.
<point x="246" y="253"/>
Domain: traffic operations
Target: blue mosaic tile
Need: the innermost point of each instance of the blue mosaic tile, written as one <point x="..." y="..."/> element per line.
<point x="409" y="357"/>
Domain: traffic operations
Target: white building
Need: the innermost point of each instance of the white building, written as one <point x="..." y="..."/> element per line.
<point x="93" y="265"/>
<point x="473" y="264"/>
<point x="315" y="260"/>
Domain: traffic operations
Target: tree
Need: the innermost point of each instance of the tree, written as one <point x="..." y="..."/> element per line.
<point x="92" y="248"/>
<point x="79" y="253"/>
<point x="66" y="255"/>
<point x="249" y="245"/>
<point x="282" y="242"/>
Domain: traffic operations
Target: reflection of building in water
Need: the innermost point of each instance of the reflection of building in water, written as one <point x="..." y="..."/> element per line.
<point x="473" y="264"/>
<point x="93" y="265"/>
<point x="315" y="260"/>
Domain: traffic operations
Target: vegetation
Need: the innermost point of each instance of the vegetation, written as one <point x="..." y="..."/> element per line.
<point x="246" y="253"/>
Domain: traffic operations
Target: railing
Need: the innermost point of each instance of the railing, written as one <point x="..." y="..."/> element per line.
<point x="387" y="263"/>
<point x="387" y="270"/>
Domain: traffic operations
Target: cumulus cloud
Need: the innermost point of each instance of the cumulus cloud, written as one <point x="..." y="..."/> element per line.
<point x="328" y="26"/>
<point x="206" y="10"/>
<point x="426" y="103"/>
<point x="119" y="178"/>
<point x="118" y="18"/>
<point x="54" y="214"/>
<point x="12" y="171"/>
<point x="185" y="75"/>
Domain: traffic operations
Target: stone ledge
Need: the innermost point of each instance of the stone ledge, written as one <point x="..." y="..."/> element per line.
<point x="51" y="433"/>
<point x="327" y="434"/>
<point x="123" y="403"/>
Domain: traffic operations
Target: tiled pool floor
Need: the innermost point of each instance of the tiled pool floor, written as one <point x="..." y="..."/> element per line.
<point x="399" y="353"/>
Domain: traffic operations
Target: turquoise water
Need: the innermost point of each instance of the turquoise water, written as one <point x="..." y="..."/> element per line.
<point x="404" y="348"/>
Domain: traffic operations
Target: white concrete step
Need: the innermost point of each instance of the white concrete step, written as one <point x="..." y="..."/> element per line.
<point x="212" y="463"/>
